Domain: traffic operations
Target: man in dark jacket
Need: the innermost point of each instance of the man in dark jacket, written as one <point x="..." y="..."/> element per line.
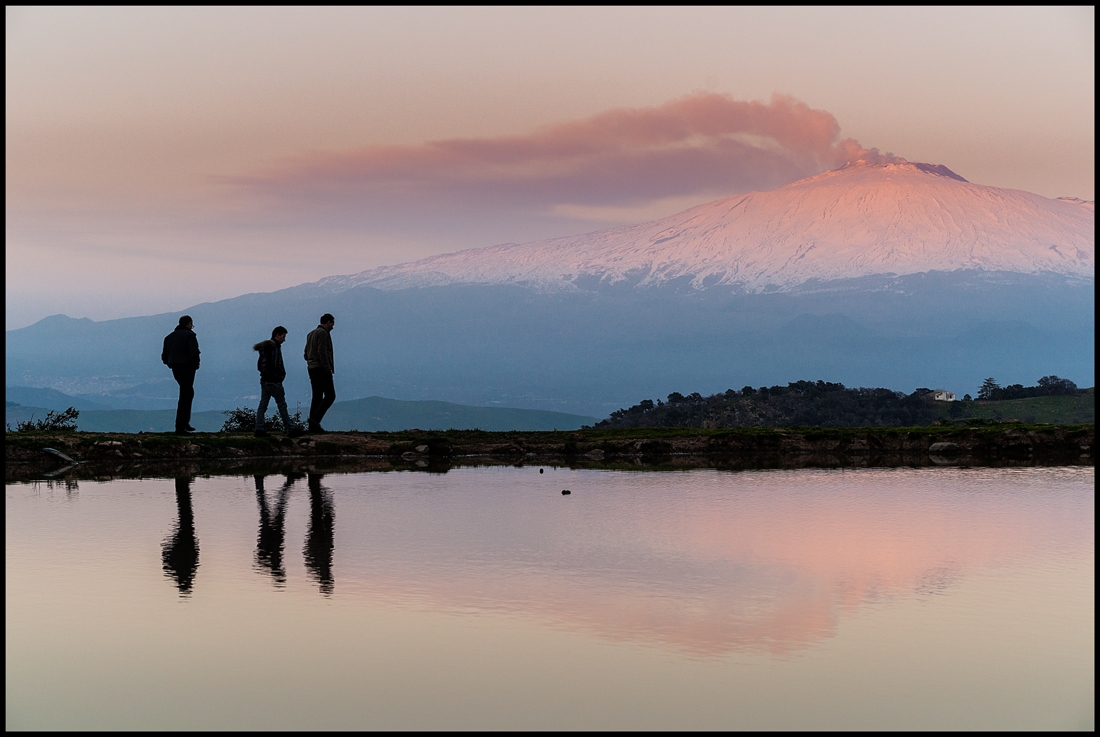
<point x="181" y="354"/>
<point x="318" y="355"/>
<point x="272" y="373"/>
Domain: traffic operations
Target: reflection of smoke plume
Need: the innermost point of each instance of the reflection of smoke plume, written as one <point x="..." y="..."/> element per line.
<point x="272" y="532"/>
<point x="181" y="550"/>
<point x="704" y="142"/>
<point x="319" y="537"/>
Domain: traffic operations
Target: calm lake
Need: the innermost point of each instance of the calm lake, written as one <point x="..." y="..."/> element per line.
<point x="930" y="598"/>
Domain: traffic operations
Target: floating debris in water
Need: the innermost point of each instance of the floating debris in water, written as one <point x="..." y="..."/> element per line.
<point x="58" y="454"/>
<point x="565" y="491"/>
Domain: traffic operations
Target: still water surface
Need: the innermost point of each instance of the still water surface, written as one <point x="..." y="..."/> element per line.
<point x="484" y="598"/>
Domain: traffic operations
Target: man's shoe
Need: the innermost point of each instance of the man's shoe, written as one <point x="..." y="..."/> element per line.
<point x="317" y="429"/>
<point x="260" y="433"/>
<point x="190" y="429"/>
<point x="182" y="431"/>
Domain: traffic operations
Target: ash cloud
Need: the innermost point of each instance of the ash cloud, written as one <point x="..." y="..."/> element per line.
<point x="701" y="144"/>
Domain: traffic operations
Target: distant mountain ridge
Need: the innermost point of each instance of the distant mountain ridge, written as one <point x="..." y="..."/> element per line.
<point x="859" y="220"/>
<point x="50" y="399"/>
<point x="371" y="414"/>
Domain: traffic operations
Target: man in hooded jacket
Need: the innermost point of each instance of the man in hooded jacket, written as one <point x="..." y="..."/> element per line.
<point x="272" y="373"/>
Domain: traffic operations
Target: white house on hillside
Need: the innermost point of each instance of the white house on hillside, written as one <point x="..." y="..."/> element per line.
<point x="942" y="395"/>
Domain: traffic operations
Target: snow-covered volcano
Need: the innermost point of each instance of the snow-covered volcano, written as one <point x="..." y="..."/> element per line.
<point x="860" y="220"/>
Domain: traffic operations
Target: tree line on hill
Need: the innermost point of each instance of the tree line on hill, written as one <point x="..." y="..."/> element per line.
<point x="1048" y="386"/>
<point x="812" y="404"/>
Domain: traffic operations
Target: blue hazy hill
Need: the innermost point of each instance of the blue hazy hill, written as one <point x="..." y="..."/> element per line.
<point x="50" y="399"/>
<point x="369" y="414"/>
<point x="591" y="350"/>
<point x="377" y="413"/>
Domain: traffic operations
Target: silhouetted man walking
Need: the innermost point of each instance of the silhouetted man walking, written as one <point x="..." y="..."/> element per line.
<point x="318" y="355"/>
<point x="272" y="373"/>
<point x="181" y="354"/>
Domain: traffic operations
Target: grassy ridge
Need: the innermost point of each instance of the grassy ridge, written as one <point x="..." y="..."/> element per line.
<point x="1058" y="410"/>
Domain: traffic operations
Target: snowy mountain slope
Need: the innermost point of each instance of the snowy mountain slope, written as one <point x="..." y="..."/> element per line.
<point x="860" y="220"/>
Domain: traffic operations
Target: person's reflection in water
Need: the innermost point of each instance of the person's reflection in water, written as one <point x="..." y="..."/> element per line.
<point x="181" y="550"/>
<point x="319" y="545"/>
<point x="269" y="540"/>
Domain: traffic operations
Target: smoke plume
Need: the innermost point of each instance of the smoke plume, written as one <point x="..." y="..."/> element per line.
<point x="700" y="144"/>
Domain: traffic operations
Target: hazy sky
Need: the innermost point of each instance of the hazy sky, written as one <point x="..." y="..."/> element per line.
<point x="157" y="158"/>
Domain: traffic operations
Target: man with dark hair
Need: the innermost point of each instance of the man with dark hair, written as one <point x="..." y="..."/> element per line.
<point x="318" y="355"/>
<point x="272" y="373"/>
<point x="181" y="354"/>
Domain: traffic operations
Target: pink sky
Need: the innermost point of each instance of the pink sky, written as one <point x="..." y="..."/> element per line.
<point x="157" y="158"/>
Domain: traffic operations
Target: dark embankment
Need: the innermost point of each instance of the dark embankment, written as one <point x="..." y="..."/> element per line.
<point x="88" y="455"/>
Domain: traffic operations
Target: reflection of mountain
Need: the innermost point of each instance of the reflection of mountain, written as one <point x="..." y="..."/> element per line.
<point x="704" y="563"/>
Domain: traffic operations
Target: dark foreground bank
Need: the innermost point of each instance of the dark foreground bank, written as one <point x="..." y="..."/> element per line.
<point x="31" y="455"/>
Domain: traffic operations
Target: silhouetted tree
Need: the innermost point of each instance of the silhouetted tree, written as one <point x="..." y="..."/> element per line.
<point x="988" y="387"/>
<point x="1052" y="385"/>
